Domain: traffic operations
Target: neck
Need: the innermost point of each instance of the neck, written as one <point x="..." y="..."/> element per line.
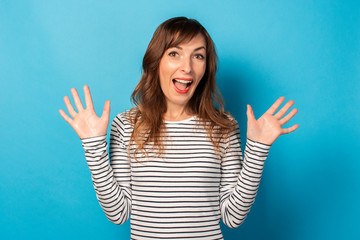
<point x="177" y="113"/>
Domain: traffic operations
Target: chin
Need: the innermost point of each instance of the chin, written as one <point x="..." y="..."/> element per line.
<point x="181" y="101"/>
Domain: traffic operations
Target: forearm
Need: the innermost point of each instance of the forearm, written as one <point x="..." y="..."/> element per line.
<point x="236" y="206"/>
<point x="113" y="198"/>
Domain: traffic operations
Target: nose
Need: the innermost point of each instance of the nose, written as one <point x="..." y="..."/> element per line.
<point x="186" y="65"/>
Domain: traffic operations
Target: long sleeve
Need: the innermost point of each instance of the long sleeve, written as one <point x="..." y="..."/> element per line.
<point x="240" y="178"/>
<point x="111" y="181"/>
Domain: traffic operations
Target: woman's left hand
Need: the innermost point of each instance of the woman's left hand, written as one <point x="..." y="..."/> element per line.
<point x="268" y="127"/>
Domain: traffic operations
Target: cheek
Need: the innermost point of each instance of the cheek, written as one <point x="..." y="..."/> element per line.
<point x="200" y="74"/>
<point x="201" y="70"/>
<point x="167" y="68"/>
<point x="161" y="68"/>
<point x="162" y="73"/>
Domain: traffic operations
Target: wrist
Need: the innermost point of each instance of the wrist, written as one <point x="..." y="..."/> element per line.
<point x="94" y="144"/>
<point x="261" y="141"/>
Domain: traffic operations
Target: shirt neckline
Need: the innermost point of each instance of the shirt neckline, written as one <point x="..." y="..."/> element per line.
<point x="181" y="121"/>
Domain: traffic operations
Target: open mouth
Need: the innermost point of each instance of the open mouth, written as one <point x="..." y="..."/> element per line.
<point x="182" y="85"/>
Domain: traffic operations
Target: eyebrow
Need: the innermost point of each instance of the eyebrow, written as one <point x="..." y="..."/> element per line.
<point x="196" y="49"/>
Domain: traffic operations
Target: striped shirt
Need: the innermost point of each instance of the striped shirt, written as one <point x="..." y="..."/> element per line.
<point x="183" y="193"/>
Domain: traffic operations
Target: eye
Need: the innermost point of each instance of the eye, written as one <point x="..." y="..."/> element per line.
<point x="199" y="56"/>
<point x="173" y="54"/>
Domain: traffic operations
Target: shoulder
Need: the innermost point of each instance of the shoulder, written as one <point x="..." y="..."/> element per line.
<point x="122" y="127"/>
<point x="127" y="115"/>
<point x="124" y="120"/>
<point x="234" y="129"/>
<point x="230" y="117"/>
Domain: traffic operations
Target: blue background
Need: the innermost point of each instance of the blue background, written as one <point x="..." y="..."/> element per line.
<point x="308" y="51"/>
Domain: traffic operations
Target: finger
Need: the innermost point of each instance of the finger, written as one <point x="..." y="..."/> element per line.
<point x="285" y="119"/>
<point x="66" y="117"/>
<point x="77" y="100"/>
<point x="69" y="106"/>
<point x="88" y="99"/>
<point x="290" y="129"/>
<point x="250" y="113"/>
<point x="106" y="111"/>
<point x="275" y="106"/>
<point x="284" y="109"/>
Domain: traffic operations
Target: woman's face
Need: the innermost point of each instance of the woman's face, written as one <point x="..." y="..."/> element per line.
<point x="180" y="71"/>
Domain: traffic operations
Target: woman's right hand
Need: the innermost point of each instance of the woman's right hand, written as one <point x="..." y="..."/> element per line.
<point x="85" y="122"/>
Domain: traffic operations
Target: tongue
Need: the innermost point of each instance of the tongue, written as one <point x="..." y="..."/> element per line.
<point x="181" y="86"/>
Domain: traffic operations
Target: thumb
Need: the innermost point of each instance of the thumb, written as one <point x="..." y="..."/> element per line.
<point x="106" y="111"/>
<point x="250" y="113"/>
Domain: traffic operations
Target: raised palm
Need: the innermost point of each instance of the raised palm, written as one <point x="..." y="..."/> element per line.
<point x="269" y="126"/>
<point x="85" y="122"/>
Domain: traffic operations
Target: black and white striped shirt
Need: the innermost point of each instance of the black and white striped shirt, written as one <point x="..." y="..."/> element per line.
<point x="182" y="194"/>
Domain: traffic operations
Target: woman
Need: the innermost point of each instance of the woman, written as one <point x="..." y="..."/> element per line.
<point x="176" y="160"/>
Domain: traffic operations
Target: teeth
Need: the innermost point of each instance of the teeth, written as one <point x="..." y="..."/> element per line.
<point x="183" y="81"/>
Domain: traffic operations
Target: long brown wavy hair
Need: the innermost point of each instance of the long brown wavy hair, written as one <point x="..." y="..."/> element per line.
<point x="150" y="102"/>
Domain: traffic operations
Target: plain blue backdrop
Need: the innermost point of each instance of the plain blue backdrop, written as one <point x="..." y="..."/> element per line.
<point x="308" y="51"/>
